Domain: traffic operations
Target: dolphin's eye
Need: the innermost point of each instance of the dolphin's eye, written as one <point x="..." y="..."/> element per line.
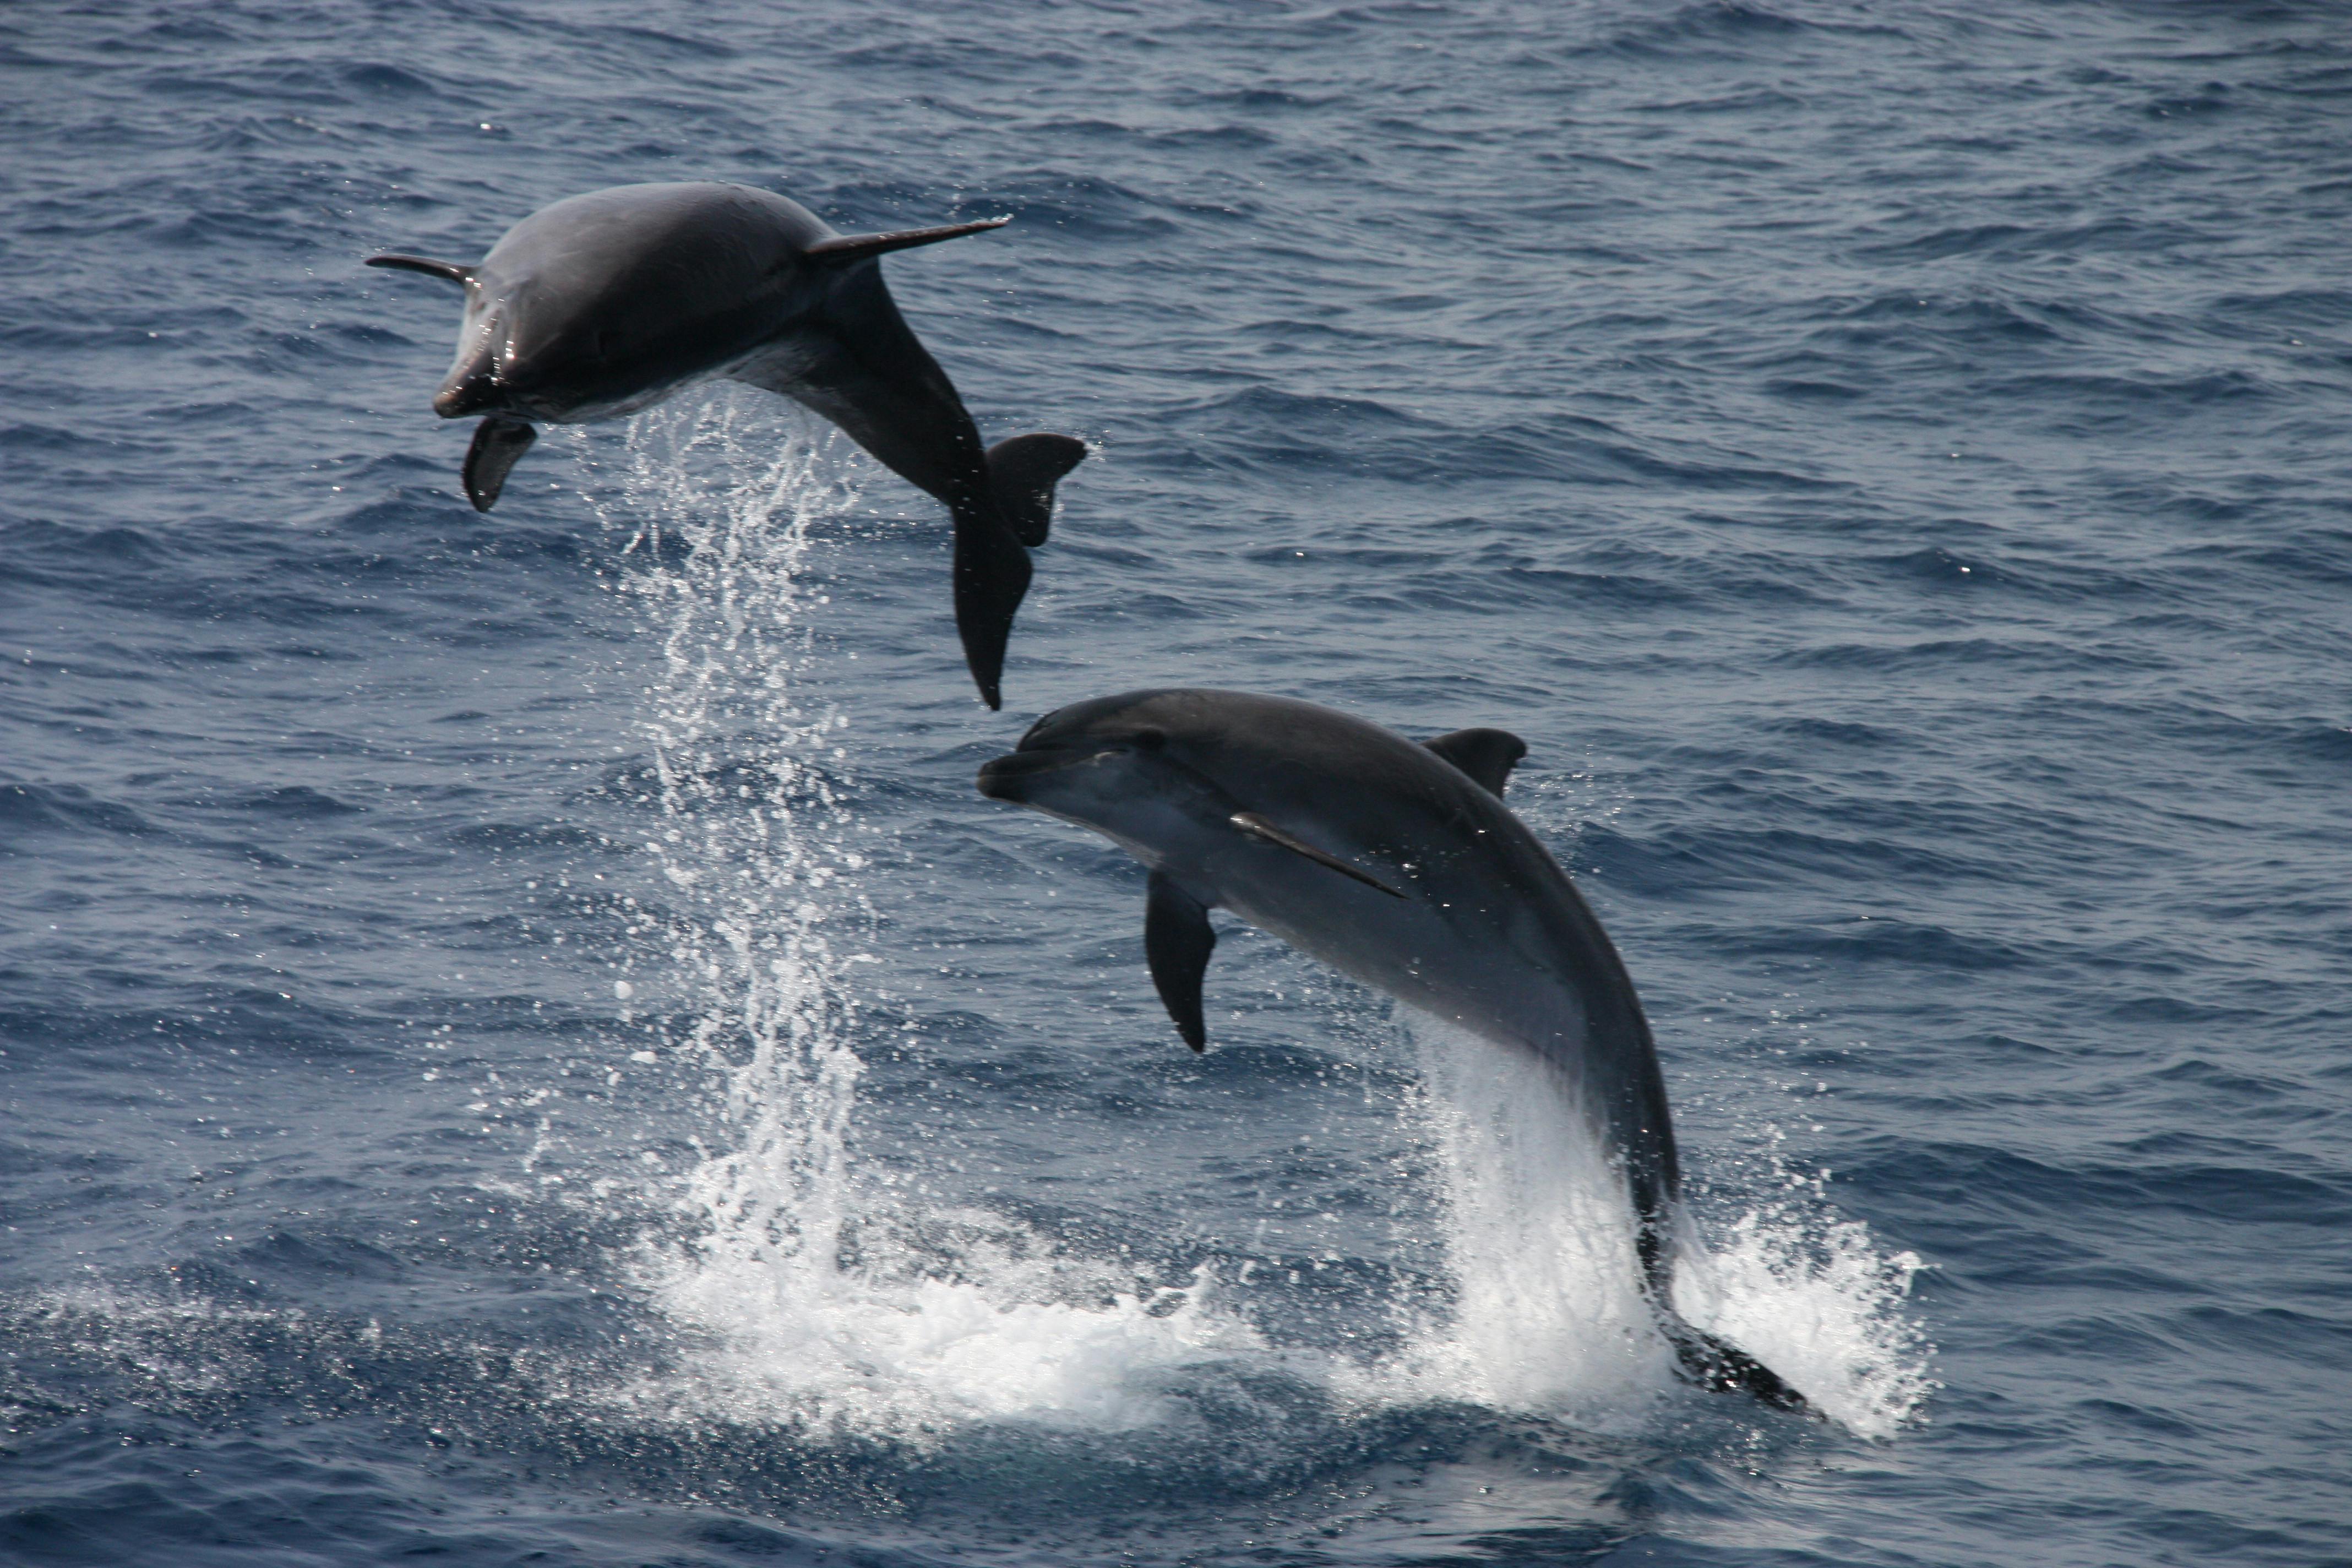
<point x="1149" y="740"/>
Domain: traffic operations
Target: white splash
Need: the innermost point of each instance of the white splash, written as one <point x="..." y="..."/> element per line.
<point x="1549" y="1315"/>
<point x="1547" y="1311"/>
<point x="891" y="1349"/>
<point x="1817" y="1301"/>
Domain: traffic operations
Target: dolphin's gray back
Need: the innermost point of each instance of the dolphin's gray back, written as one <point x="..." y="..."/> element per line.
<point x="1492" y="935"/>
<point x="699" y="235"/>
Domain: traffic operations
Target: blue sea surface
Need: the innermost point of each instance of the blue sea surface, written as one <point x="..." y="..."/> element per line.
<point x="521" y="1042"/>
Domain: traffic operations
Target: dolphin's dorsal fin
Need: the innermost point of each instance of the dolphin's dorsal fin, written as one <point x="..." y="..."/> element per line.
<point x="1177" y="942"/>
<point x="1266" y="832"/>
<point x="454" y="271"/>
<point x="845" y="249"/>
<point x="1486" y="755"/>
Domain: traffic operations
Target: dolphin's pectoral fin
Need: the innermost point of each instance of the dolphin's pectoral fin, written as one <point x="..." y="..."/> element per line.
<point x="454" y="271"/>
<point x="1022" y="471"/>
<point x="845" y="249"/>
<point x="1177" y="942"/>
<point x="991" y="574"/>
<point x="1266" y="832"/>
<point x="1708" y="1363"/>
<point x="1486" y="755"/>
<point x="499" y="443"/>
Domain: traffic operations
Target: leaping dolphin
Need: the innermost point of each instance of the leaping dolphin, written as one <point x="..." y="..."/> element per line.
<point x="606" y="303"/>
<point x="1392" y="862"/>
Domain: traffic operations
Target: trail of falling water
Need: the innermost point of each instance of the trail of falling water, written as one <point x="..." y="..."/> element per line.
<point x="755" y="832"/>
<point x="756" y="842"/>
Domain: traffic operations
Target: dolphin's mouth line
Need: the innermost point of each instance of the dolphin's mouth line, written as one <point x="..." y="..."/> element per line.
<point x="1013" y="766"/>
<point x="477" y="393"/>
<point x="1043" y="762"/>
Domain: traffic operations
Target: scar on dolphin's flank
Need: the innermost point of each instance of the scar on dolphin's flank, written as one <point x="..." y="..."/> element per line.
<point x="606" y="303"/>
<point x="1397" y="864"/>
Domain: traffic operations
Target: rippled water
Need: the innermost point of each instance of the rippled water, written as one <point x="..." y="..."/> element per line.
<point x="520" y="1037"/>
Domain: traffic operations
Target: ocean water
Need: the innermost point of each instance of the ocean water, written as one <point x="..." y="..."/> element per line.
<point x="522" y="1044"/>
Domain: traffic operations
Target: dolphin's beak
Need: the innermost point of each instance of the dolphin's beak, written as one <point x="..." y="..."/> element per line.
<point x="478" y="384"/>
<point x="1000" y="777"/>
<point x="1003" y="778"/>
<point x="474" y="390"/>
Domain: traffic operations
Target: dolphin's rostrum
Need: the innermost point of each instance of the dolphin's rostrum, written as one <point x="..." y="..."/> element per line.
<point x="606" y="303"/>
<point x="1397" y="864"/>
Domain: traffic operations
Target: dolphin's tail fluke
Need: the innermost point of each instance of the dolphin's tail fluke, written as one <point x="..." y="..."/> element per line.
<point x="1701" y="1359"/>
<point x="991" y="575"/>
<point x="1022" y="472"/>
<point x="992" y="539"/>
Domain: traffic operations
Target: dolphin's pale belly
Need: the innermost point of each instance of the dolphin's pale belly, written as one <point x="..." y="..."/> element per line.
<point x="554" y="409"/>
<point x="623" y="390"/>
<point x="1467" y="972"/>
<point x="1498" y="972"/>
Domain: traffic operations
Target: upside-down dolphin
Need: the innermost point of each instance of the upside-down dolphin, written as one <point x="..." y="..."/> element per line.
<point x="1392" y="862"/>
<point x="606" y="303"/>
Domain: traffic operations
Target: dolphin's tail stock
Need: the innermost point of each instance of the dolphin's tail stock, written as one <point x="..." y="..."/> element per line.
<point x="1708" y="1363"/>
